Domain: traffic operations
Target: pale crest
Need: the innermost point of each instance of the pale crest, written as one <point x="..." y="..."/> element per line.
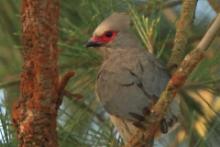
<point x="115" y="22"/>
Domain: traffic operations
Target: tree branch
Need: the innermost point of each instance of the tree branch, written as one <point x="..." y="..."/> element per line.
<point x="62" y="84"/>
<point x="183" y="26"/>
<point x="175" y="83"/>
<point x="9" y="83"/>
<point x="76" y="98"/>
<point x="64" y="80"/>
<point x="73" y="96"/>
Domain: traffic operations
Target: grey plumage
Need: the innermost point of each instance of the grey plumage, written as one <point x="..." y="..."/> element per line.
<point x="128" y="82"/>
<point x="130" y="79"/>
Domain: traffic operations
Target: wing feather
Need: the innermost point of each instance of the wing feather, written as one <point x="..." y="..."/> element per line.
<point x="127" y="89"/>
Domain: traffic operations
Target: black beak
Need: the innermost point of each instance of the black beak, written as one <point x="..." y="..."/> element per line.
<point x="92" y="44"/>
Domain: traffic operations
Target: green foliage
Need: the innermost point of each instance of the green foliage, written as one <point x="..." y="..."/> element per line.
<point x="83" y="122"/>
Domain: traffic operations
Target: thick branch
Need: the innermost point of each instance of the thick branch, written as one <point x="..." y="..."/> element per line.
<point x="183" y="26"/>
<point x="175" y="83"/>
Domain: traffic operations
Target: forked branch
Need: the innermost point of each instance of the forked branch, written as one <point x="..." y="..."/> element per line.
<point x="175" y="83"/>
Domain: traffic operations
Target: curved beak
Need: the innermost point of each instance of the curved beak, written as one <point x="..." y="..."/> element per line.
<point x="92" y="43"/>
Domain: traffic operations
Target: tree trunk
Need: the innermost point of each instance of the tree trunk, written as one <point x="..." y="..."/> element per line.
<point x="34" y="114"/>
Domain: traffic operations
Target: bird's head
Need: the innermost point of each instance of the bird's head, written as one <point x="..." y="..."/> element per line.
<point x="114" y="33"/>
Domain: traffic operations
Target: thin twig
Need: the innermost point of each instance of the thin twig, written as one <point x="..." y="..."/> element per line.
<point x="9" y="83"/>
<point x="76" y="98"/>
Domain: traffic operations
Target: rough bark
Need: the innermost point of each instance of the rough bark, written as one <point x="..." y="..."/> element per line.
<point x="34" y="114"/>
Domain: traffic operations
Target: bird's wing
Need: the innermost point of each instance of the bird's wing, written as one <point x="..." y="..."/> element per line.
<point x="129" y="90"/>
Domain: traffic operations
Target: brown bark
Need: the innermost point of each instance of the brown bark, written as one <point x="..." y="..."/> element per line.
<point x="34" y="114"/>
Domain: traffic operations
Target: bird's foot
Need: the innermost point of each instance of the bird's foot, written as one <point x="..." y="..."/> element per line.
<point x="165" y="124"/>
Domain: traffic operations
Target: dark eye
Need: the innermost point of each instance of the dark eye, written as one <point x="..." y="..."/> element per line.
<point x="108" y="34"/>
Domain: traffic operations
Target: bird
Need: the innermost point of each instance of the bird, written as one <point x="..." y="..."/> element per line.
<point x="130" y="79"/>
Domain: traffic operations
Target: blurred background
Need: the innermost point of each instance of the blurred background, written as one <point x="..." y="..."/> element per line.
<point x="82" y="122"/>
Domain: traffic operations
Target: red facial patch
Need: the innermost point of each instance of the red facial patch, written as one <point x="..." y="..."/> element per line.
<point x="105" y="38"/>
